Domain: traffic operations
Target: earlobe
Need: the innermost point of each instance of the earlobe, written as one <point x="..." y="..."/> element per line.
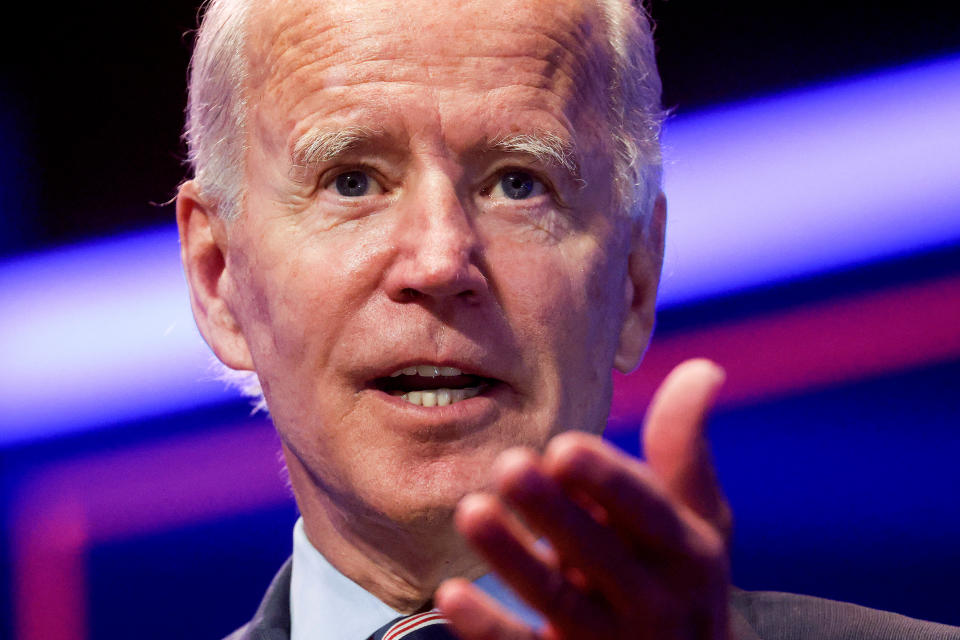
<point x="203" y="241"/>
<point x="640" y="289"/>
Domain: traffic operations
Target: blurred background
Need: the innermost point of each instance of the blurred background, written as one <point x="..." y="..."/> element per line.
<point x="813" y="176"/>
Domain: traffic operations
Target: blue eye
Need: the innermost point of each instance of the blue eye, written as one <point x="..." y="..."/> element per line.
<point x="517" y="185"/>
<point x="353" y="184"/>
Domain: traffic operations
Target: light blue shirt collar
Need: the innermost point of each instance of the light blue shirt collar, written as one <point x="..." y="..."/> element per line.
<point x="326" y="605"/>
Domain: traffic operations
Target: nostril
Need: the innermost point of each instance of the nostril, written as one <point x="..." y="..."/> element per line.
<point x="413" y="280"/>
<point x="410" y="293"/>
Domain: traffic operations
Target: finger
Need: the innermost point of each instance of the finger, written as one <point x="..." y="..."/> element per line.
<point x="473" y="615"/>
<point x="675" y="444"/>
<point x="635" y="502"/>
<point x="510" y="550"/>
<point x="594" y="550"/>
<point x="684" y="553"/>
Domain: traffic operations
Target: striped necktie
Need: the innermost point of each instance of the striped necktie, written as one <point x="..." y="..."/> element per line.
<point x="430" y="625"/>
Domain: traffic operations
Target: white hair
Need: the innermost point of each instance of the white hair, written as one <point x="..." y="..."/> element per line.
<point x="636" y="115"/>
<point x="217" y="108"/>
<point x="217" y="105"/>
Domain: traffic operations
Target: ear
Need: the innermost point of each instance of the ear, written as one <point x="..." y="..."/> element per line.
<point x="640" y="289"/>
<point x="203" y="240"/>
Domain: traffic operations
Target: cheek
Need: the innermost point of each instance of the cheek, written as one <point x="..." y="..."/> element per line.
<point x="589" y="314"/>
<point x="561" y="298"/>
<point x="304" y="286"/>
<point x="535" y="286"/>
<point x="569" y="312"/>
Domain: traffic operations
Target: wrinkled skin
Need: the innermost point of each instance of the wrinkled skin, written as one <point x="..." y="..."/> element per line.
<point x="324" y="293"/>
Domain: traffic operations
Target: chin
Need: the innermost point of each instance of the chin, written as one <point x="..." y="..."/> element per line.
<point x="427" y="494"/>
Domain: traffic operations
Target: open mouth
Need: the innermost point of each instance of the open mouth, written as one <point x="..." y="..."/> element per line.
<point x="433" y="386"/>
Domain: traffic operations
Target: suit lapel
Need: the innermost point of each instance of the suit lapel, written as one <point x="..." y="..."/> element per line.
<point x="272" y="620"/>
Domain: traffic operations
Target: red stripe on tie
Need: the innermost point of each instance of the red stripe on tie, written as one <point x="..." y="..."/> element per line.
<point x="408" y="625"/>
<point x="418" y="627"/>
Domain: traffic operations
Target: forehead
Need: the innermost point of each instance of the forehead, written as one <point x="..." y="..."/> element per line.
<point x="532" y="63"/>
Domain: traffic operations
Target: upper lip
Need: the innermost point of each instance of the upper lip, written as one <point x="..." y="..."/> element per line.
<point x="431" y="370"/>
<point x="478" y="369"/>
<point x="466" y="369"/>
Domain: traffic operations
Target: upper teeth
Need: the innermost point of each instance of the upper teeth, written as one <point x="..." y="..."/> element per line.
<point x="427" y="371"/>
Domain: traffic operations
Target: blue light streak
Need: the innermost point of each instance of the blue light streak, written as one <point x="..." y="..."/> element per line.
<point x="758" y="193"/>
<point x="99" y="334"/>
<point x="807" y="182"/>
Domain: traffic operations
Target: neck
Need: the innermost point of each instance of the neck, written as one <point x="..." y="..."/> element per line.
<point x="401" y="563"/>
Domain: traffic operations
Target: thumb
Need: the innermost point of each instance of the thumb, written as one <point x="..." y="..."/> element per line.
<point x="675" y="444"/>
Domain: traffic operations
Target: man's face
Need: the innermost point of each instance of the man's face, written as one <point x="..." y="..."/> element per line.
<point x="391" y="223"/>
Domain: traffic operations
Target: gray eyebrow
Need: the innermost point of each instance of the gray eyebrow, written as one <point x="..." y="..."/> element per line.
<point x="315" y="146"/>
<point x="547" y="148"/>
<point x="319" y="146"/>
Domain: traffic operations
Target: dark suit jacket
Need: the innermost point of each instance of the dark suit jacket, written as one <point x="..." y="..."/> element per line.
<point x="756" y="615"/>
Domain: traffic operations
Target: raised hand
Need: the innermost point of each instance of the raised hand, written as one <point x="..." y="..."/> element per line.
<point x="634" y="549"/>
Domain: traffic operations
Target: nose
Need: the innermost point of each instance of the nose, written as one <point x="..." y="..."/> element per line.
<point x="438" y="251"/>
